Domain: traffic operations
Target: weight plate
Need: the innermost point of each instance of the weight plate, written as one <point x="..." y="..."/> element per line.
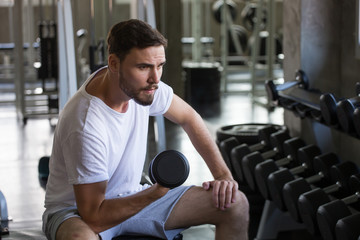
<point x="170" y="168"/>
<point x="244" y="133"/>
<point x="328" y="108"/>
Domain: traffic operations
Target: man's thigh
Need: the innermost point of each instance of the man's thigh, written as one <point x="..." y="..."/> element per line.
<point x="150" y="221"/>
<point x="194" y="208"/>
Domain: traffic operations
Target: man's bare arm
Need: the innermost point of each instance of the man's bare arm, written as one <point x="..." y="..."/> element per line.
<point x="224" y="185"/>
<point x="101" y="214"/>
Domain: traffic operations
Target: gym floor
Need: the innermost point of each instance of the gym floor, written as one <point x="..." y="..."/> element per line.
<point x="22" y="146"/>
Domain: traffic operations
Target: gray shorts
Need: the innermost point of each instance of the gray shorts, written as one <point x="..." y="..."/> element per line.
<point x="148" y="222"/>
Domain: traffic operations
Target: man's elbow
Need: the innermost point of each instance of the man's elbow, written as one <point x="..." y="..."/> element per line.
<point x="93" y="222"/>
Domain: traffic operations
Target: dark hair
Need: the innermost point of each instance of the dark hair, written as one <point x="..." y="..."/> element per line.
<point x="132" y="33"/>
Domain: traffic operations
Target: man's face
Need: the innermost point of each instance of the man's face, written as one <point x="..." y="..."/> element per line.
<point x="140" y="73"/>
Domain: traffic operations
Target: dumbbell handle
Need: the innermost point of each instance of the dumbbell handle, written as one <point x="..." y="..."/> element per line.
<point x="270" y="153"/>
<point x="332" y="188"/>
<point x="284" y="161"/>
<point x="315" y="178"/>
<point x="289" y="158"/>
<point x="299" y="169"/>
<point x="257" y="146"/>
<point x="352" y="198"/>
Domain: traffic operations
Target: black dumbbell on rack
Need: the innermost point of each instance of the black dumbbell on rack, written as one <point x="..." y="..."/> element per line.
<point x="238" y="152"/>
<point x="276" y="141"/>
<point x="250" y="161"/>
<point x="309" y="202"/>
<point x="264" y="169"/>
<point x="348" y="228"/>
<point x="323" y="166"/>
<point x="225" y="147"/>
<point x="356" y="121"/>
<point x="329" y="213"/>
<point x="228" y="144"/>
<point x="279" y="178"/>
<point x="345" y="111"/>
<point x="328" y="102"/>
<point x="169" y="168"/>
<point x="272" y="90"/>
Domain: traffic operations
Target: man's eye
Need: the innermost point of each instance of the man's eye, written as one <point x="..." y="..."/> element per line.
<point x="143" y="67"/>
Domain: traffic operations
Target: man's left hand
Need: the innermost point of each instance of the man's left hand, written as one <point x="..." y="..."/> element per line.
<point x="224" y="191"/>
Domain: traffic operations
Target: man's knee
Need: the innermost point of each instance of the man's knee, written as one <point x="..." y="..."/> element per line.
<point x="239" y="210"/>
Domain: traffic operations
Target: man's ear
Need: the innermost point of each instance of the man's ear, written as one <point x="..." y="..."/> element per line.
<point x="113" y="63"/>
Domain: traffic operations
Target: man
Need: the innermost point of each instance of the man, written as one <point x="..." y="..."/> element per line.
<point x="99" y="150"/>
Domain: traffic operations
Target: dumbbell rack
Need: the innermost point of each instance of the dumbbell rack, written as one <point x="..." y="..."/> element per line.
<point x="304" y="103"/>
<point x="279" y="217"/>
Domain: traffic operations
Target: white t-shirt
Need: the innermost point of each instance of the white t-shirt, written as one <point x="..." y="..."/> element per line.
<point x="94" y="143"/>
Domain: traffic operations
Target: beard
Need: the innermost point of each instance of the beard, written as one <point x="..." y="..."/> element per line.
<point x="138" y="95"/>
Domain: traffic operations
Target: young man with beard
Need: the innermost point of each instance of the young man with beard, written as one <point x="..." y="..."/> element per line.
<point x="99" y="151"/>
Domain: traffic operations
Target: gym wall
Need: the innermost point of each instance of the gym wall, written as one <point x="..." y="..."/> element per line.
<point x="319" y="37"/>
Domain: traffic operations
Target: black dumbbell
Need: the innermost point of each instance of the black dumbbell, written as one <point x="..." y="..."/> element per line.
<point x="345" y="112"/>
<point x="272" y="90"/>
<point x="285" y="147"/>
<point x="248" y="162"/>
<point x="356" y="121"/>
<point x="323" y="165"/>
<point x="348" y="228"/>
<point x="328" y="104"/>
<point x="264" y="169"/>
<point x="228" y="144"/>
<point x="309" y="202"/>
<point x="238" y="152"/>
<point x="225" y="147"/>
<point x="329" y="213"/>
<point x="169" y="168"/>
<point x="279" y="178"/>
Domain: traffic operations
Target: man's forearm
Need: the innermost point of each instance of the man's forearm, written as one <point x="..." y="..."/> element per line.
<point x="205" y="145"/>
<point x="111" y="212"/>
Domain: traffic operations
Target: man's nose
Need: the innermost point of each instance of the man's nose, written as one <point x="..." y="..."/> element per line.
<point x="155" y="75"/>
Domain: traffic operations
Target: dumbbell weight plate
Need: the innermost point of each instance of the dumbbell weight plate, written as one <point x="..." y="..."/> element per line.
<point x="328" y="108"/>
<point x="169" y="168"/>
<point x="327" y="216"/>
<point x="356" y="121"/>
<point x="245" y="133"/>
<point x="348" y="228"/>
